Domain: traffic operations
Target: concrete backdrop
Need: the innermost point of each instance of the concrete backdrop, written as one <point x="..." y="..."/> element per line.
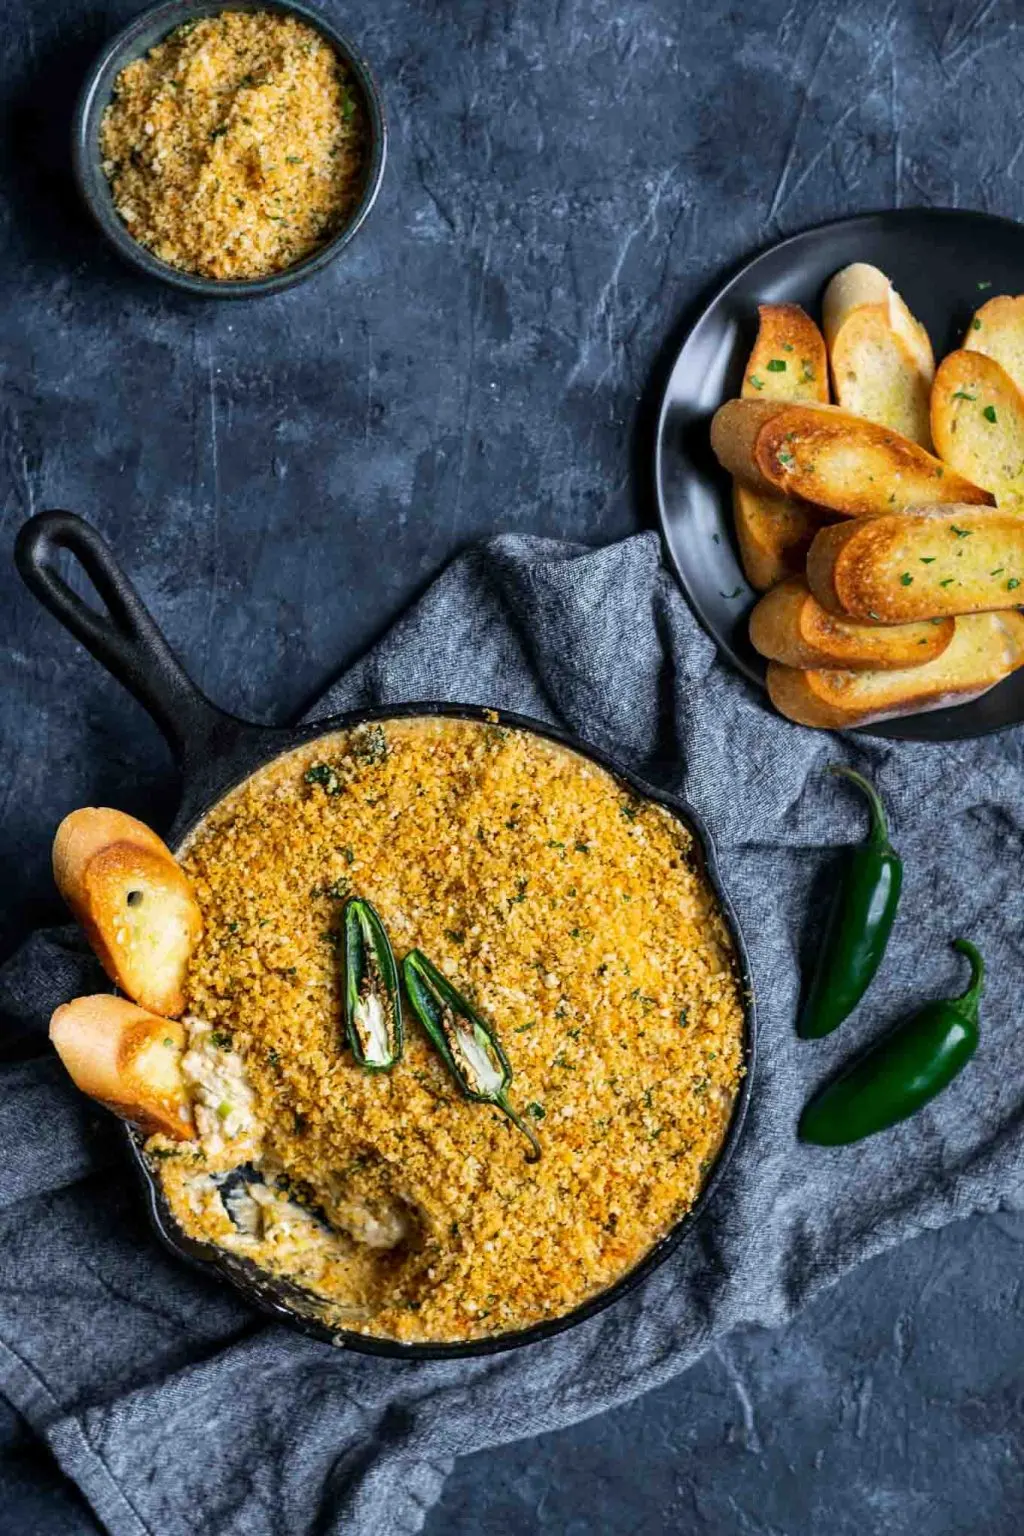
<point x="567" y="179"/>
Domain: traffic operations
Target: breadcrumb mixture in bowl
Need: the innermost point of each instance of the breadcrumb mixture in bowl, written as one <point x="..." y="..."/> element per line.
<point x="573" y="915"/>
<point x="237" y="146"/>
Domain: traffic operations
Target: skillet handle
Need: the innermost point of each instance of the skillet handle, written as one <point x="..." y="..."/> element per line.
<point x="124" y="638"/>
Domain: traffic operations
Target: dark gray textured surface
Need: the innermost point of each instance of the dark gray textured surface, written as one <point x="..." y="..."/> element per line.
<point x="566" y="181"/>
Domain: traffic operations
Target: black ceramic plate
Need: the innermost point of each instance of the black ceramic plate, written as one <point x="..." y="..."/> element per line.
<point x="945" y="263"/>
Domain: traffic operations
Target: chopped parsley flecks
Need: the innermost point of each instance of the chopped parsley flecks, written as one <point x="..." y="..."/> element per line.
<point x="989" y="413"/>
<point x="374" y="746"/>
<point x="906" y="580"/>
<point x="327" y="777"/>
<point x="777" y="365"/>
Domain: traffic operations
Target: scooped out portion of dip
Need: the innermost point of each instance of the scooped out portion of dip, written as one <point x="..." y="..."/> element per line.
<point x="574" y="921"/>
<point x="235" y="147"/>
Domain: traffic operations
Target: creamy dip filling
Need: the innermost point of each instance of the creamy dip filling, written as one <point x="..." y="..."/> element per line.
<point x="223" y="1106"/>
<point x="222" y="1099"/>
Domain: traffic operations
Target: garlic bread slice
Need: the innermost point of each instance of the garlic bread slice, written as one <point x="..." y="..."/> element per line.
<point x="788" y="363"/>
<point x="978" y="424"/>
<point x="881" y="358"/>
<point x="997" y="330"/>
<point x="986" y="648"/>
<point x="127" y="1059"/>
<point x="925" y="563"/>
<point x="773" y="533"/>
<point x="133" y="901"/>
<point x="789" y="625"/>
<point x="830" y="457"/>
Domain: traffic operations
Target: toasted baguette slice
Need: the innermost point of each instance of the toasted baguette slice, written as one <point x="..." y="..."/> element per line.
<point x="128" y="1059"/>
<point x="132" y="899"/>
<point x="986" y="647"/>
<point x="881" y="357"/>
<point x="788" y="363"/>
<point x="924" y="563"/>
<point x="774" y="535"/>
<point x="790" y="625"/>
<point x="830" y="457"/>
<point x="997" y="330"/>
<point x="978" y="423"/>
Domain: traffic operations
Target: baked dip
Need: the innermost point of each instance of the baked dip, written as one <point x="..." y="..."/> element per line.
<point x="235" y="147"/>
<point x="574" y="917"/>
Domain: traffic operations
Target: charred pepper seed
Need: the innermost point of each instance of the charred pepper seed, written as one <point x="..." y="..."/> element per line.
<point x="905" y="1070"/>
<point x="470" y="1049"/>
<point x="859" y="923"/>
<point x="373" y="1004"/>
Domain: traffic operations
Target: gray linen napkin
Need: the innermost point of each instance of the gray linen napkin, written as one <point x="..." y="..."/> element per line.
<point x="176" y="1409"/>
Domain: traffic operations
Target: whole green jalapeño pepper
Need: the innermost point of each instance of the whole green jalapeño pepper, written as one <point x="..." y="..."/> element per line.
<point x="906" y="1069"/>
<point x="859" y="924"/>
<point x="469" y="1049"/>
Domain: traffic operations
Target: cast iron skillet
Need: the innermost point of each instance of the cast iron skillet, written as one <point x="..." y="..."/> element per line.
<point x="215" y="751"/>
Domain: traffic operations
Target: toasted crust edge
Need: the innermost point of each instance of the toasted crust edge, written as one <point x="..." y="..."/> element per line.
<point x="113" y="1049"/>
<point x="788" y="625"/>
<point x="841" y="554"/>
<point x="792" y="691"/>
<point x="89" y="845"/>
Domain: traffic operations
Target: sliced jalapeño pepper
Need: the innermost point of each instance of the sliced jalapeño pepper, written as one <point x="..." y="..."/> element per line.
<point x="469" y="1048"/>
<point x="859" y="923"/>
<point x="373" y="1004"/>
<point x="905" y="1070"/>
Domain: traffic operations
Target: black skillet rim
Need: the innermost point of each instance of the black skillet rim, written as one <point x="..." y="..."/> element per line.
<point x="270" y="1294"/>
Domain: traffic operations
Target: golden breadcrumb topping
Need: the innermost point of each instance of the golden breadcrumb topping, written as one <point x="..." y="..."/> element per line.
<point x="235" y="147"/>
<point x="574" y="917"/>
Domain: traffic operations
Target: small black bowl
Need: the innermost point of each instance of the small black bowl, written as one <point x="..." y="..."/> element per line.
<point x="138" y="37"/>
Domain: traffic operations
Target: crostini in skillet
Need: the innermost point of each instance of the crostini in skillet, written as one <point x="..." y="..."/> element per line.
<point x="123" y="885"/>
<point x="127" y="1059"/>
